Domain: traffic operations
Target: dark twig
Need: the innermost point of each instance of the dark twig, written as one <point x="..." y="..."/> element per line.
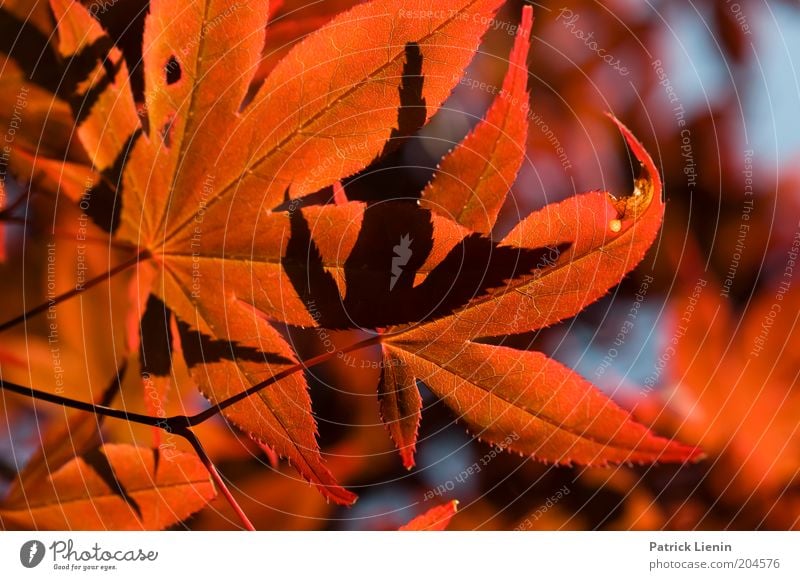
<point x="143" y="255"/>
<point x="100" y="410"/>
<point x="180" y="424"/>
<point x="67" y="234"/>
<point x="306" y="364"/>
<point x="189" y="435"/>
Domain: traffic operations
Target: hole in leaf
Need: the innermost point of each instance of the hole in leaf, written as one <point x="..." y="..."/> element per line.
<point x="166" y="132"/>
<point x="172" y="70"/>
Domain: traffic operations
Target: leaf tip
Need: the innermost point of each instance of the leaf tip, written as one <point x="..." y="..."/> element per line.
<point x="677" y="452"/>
<point x="526" y="24"/>
<point x="647" y="188"/>
<point x="641" y="154"/>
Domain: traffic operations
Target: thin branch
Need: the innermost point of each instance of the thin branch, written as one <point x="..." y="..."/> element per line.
<point x="66" y="234"/>
<point x="143" y="255"/>
<point x="222" y="405"/>
<point x="181" y="424"/>
<point x="178" y="423"/>
<point x="189" y="435"/>
<point x="181" y="430"/>
<point x="101" y="410"/>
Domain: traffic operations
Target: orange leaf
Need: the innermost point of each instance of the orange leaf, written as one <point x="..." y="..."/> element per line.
<point x="3" y="201"/>
<point x="400" y="405"/>
<point x="106" y="116"/>
<point x="116" y="487"/>
<point x="471" y="183"/>
<point x="525" y="402"/>
<point x="35" y="13"/>
<point x="207" y="195"/>
<point x="720" y="373"/>
<point x="43" y="151"/>
<point x="280" y="415"/>
<point x="61" y="441"/>
<point x="434" y="520"/>
<point x="323" y="119"/>
<point x="200" y="149"/>
<point x="311" y="123"/>
<point x="591" y="241"/>
<point x="290" y="22"/>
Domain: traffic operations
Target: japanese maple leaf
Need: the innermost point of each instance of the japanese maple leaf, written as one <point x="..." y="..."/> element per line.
<point x="552" y="412"/>
<point x="211" y="175"/>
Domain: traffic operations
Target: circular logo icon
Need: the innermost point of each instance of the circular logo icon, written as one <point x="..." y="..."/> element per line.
<point x="31" y="553"/>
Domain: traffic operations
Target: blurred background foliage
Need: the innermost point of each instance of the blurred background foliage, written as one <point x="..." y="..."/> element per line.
<point x="709" y="86"/>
